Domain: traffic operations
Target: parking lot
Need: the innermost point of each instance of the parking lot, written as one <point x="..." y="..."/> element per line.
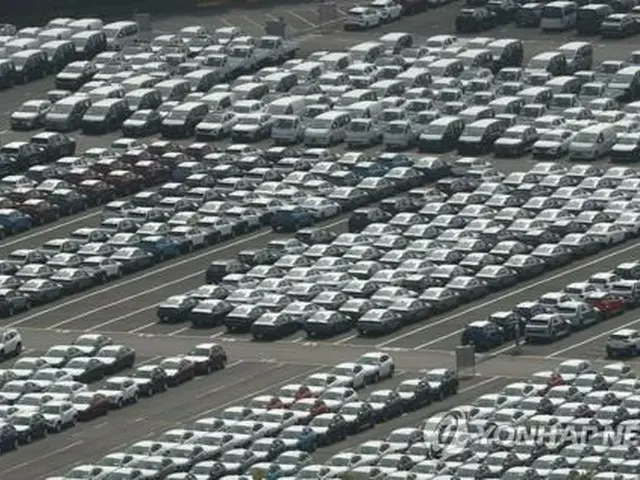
<point x="126" y="308"/>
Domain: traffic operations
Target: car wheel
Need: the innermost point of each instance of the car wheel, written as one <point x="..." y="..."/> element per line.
<point x="58" y="427"/>
<point x="28" y="438"/>
<point x="376" y="378"/>
<point x="441" y="395"/>
<point x="16" y="443"/>
<point x="119" y="404"/>
<point x="18" y="349"/>
<point x="223" y="363"/>
<point x="392" y="371"/>
<point x="11" y="310"/>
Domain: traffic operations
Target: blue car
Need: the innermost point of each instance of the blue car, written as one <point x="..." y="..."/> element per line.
<point x="308" y="440"/>
<point x="370" y="169"/>
<point x="13" y="221"/>
<point x="160" y="246"/>
<point x="291" y="218"/>
<point x="484" y="335"/>
<point x="9" y="438"/>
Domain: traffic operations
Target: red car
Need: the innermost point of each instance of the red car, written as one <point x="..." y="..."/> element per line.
<point x="293" y="392"/>
<point x="608" y="303"/>
<point x="308" y="408"/>
<point x="97" y="191"/>
<point x="90" y="405"/>
<point x="179" y="370"/>
<point x="266" y="402"/>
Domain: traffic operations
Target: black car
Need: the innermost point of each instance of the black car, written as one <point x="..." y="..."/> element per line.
<point x="41" y="290"/>
<point x="182" y="120"/>
<point x="415" y="393"/>
<point x="362" y="217"/>
<point x="504" y="10"/>
<point x="242" y="317"/>
<point x="207" y="357"/>
<point x="150" y="379"/>
<point x="475" y="20"/>
<point x="104" y="116"/>
<point x="30" y="425"/>
<point x="55" y="145"/>
<point x="176" y="308"/>
<point x="86" y="369"/>
<point x="116" y="357"/>
<point x="23" y="154"/>
<point x="12" y="302"/>
<point x="209" y="312"/>
<point x="442" y="381"/>
<point x="441" y="135"/>
<point x="74" y="280"/>
<point x="478" y="137"/>
<point x="68" y="200"/>
<point x="386" y="404"/>
<point x="329" y="428"/>
<point x="142" y="123"/>
<point x="30" y="65"/>
<point x="358" y="416"/>
<point x="218" y="269"/>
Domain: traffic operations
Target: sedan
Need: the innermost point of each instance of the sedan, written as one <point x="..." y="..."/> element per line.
<point x="41" y="290"/>
<point x="133" y="258"/>
<point x="178" y="369"/>
<point x="90" y="405"/>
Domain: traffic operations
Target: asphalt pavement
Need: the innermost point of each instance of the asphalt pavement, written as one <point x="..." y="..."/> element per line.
<point x="125" y="309"/>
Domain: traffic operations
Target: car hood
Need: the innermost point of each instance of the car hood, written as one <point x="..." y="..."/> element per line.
<point x="74" y="372"/>
<point x="245" y="128"/>
<point x="546" y="144"/>
<point x="24" y="115"/>
<point x="51" y="417"/>
<point x="9" y="396"/>
<point x="171" y="372"/>
<point x="508" y="141"/>
<point x="209" y="126"/>
<point x="68" y="76"/>
<point x="197" y="358"/>
<point x="54" y="360"/>
<point x="107" y="360"/>
<point x="22" y="374"/>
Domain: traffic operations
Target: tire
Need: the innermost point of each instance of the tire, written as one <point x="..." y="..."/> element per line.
<point x="392" y="371"/>
<point x="58" y="427"/>
<point x="376" y="378"/>
<point x="11" y="311"/>
<point x="18" y="349"/>
<point x="223" y="364"/>
<point x="119" y="404"/>
<point x="441" y="395"/>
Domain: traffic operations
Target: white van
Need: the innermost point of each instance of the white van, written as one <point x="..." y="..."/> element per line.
<point x="120" y="34"/>
<point x="84" y="24"/>
<point x="327" y="129"/>
<point x="287" y="129"/>
<point x="291" y="105"/>
<point x="592" y="142"/>
<point x="559" y="15"/>
<point x="218" y="101"/>
<point x="367" y="109"/>
<point x="366" y="52"/>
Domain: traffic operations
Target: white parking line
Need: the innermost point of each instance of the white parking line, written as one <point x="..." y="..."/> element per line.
<point x="592" y="338"/>
<point x="139" y="329"/>
<point x="151" y="273"/>
<point x="252" y="21"/>
<point x="240" y="381"/>
<point x="443" y="337"/>
<point x="302" y="19"/>
<point x="52" y="228"/>
<point x="507" y="294"/>
<point x="177" y="332"/>
<point x="39" y="458"/>
<point x="238" y="401"/>
<point x="345" y="339"/>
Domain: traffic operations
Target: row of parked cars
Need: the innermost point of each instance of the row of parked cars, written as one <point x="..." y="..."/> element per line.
<point x="47" y="394"/>
<point x="418" y="255"/>
<point x="175" y="219"/>
<point x="380" y="12"/>
<point x="145" y="88"/>
<point x="275" y="433"/>
<point x="99" y="95"/>
<point x="534" y="429"/>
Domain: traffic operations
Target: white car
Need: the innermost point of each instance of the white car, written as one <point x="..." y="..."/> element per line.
<point x="193" y="237"/>
<point x="318" y="383"/>
<point x="623" y="342"/>
<point x="65" y="390"/>
<point x="10" y="343"/>
<point x="216" y="125"/>
<point x="388" y="10"/>
<point x="336" y="397"/>
<point x="608" y="233"/>
<point x="361" y="18"/>
<point x="59" y="414"/>
<point x="120" y="391"/>
<point x="355" y="372"/>
<point x="378" y="365"/>
<point x="320" y="207"/>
